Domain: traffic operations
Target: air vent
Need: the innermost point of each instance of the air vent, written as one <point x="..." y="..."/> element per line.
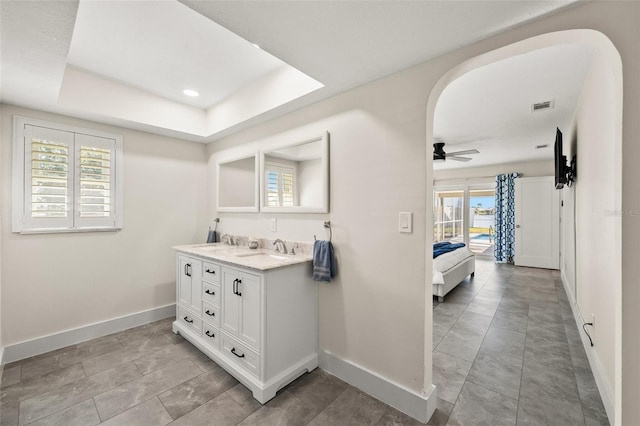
<point x="542" y="105"/>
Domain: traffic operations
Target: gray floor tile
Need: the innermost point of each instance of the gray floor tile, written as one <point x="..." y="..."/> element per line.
<point x="449" y="374"/>
<point x="118" y="400"/>
<point x="479" y="406"/>
<point x="10" y="375"/>
<point x="516" y="321"/>
<point x="317" y="389"/>
<point x="81" y="414"/>
<point x="155" y="360"/>
<point x="148" y="413"/>
<point x="189" y="395"/>
<point x="461" y="342"/>
<point x="220" y="411"/>
<point x="285" y="409"/>
<point x="394" y="417"/>
<point x="497" y="371"/>
<point x="352" y="407"/>
<point x="72" y="393"/>
<point x="504" y="341"/>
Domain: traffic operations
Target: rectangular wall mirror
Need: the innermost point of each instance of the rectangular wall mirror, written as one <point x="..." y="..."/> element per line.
<point x="294" y="177"/>
<point x="238" y="184"/>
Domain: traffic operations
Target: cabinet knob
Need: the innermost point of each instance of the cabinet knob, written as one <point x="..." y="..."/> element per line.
<point x="233" y="351"/>
<point x="188" y="320"/>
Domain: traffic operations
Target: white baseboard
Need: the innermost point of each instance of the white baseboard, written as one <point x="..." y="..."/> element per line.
<point x="420" y="407"/>
<point x="65" y="338"/>
<point x="606" y="393"/>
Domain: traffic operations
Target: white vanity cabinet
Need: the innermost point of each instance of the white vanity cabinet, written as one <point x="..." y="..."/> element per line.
<point x="241" y="305"/>
<point x="259" y="325"/>
<point x="189" y="283"/>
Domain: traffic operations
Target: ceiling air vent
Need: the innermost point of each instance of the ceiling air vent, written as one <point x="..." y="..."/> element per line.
<point x="542" y="105"/>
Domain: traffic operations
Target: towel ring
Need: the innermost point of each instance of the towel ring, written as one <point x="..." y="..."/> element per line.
<point x="327" y="224"/>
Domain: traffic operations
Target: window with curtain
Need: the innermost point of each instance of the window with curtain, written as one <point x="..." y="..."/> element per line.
<point x="65" y="178"/>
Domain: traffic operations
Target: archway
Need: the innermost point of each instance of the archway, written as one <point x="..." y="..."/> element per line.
<point x="597" y="127"/>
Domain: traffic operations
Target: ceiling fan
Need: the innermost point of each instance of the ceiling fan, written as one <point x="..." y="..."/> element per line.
<point x="440" y="155"/>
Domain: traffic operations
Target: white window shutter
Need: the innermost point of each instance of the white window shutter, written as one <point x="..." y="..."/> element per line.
<point x="95" y="183"/>
<point x="48" y="183"/>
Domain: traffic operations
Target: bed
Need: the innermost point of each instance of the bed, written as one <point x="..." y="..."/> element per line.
<point x="450" y="269"/>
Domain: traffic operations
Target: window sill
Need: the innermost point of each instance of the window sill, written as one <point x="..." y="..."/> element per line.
<point x="66" y="230"/>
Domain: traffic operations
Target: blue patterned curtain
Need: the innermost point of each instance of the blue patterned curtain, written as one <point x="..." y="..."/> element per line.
<point x="504" y="248"/>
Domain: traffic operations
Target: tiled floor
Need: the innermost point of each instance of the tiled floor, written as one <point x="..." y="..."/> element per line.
<point x="148" y="376"/>
<point x="506" y="352"/>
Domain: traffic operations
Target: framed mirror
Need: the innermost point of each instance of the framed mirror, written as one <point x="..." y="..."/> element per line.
<point x="294" y="177"/>
<point x="237" y="180"/>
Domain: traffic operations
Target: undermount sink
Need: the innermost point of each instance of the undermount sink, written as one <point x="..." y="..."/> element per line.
<point x="213" y="247"/>
<point x="268" y="255"/>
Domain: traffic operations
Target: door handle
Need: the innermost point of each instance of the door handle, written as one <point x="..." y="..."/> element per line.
<point x="238" y="287"/>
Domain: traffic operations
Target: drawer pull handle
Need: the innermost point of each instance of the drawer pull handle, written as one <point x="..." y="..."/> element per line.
<point x="187" y="269"/>
<point x="210" y="334"/>
<point x="190" y="321"/>
<point x="210" y="271"/>
<point x="233" y="351"/>
<point x="213" y="293"/>
<point x="211" y="314"/>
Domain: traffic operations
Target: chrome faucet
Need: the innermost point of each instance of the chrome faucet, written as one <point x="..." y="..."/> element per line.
<point x="280" y="246"/>
<point x="226" y="239"/>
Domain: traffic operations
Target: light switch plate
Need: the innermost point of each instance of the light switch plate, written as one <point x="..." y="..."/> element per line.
<point x="405" y="222"/>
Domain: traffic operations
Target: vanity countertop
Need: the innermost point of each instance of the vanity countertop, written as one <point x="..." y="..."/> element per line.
<point x="260" y="259"/>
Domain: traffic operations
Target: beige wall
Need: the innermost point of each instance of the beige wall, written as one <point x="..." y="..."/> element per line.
<point x="56" y="282"/>
<point x="528" y="169"/>
<point x="598" y="213"/>
<point x="380" y="305"/>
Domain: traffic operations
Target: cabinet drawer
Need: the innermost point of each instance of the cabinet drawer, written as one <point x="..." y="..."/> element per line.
<point x="211" y="294"/>
<point x="210" y="335"/>
<point x="240" y="354"/>
<point x="211" y="272"/>
<point x="187" y="318"/>
<point x="211" y="314"/>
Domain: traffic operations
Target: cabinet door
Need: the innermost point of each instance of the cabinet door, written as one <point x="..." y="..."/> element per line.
<point x="249" y="287"/>
<point x="189" y="283"/>
<point x="230" y="301"/>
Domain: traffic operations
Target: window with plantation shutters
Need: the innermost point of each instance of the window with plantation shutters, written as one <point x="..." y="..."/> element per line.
<point x="65" y="179"/>
<point x="280" y="185"/>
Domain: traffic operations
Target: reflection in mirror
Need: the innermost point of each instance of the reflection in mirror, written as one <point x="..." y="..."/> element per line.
<point x="237" y="185"/>
<point x="295" y="177"/>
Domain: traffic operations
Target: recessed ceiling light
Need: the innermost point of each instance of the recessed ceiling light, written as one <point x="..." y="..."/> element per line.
<point x="191" y="93"/>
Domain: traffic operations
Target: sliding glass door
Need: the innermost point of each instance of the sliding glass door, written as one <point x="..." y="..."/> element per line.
<point x="465" y="214"/>
<point x="482" y="220"/>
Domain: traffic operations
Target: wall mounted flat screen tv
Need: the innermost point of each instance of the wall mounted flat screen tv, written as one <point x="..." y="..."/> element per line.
<point x="560" y="161"/>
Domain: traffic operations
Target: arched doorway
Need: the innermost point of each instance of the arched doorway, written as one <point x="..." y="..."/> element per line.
<point x="597" y="140"/>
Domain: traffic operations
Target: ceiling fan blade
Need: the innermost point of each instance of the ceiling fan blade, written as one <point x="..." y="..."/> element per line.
<point x="465" y="159"/>
<point x="466" y="152"/>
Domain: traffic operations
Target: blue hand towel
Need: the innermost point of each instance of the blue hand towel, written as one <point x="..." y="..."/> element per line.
<point x="324" y="265"/>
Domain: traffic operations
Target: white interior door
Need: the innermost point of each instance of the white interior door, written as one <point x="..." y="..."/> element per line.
<point x="537" y="212"/>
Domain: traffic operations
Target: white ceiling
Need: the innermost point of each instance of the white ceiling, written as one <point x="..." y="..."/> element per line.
<point x="125" y="63"/>
<point x="489" y="109"/>
<point x="164" y="48"/>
